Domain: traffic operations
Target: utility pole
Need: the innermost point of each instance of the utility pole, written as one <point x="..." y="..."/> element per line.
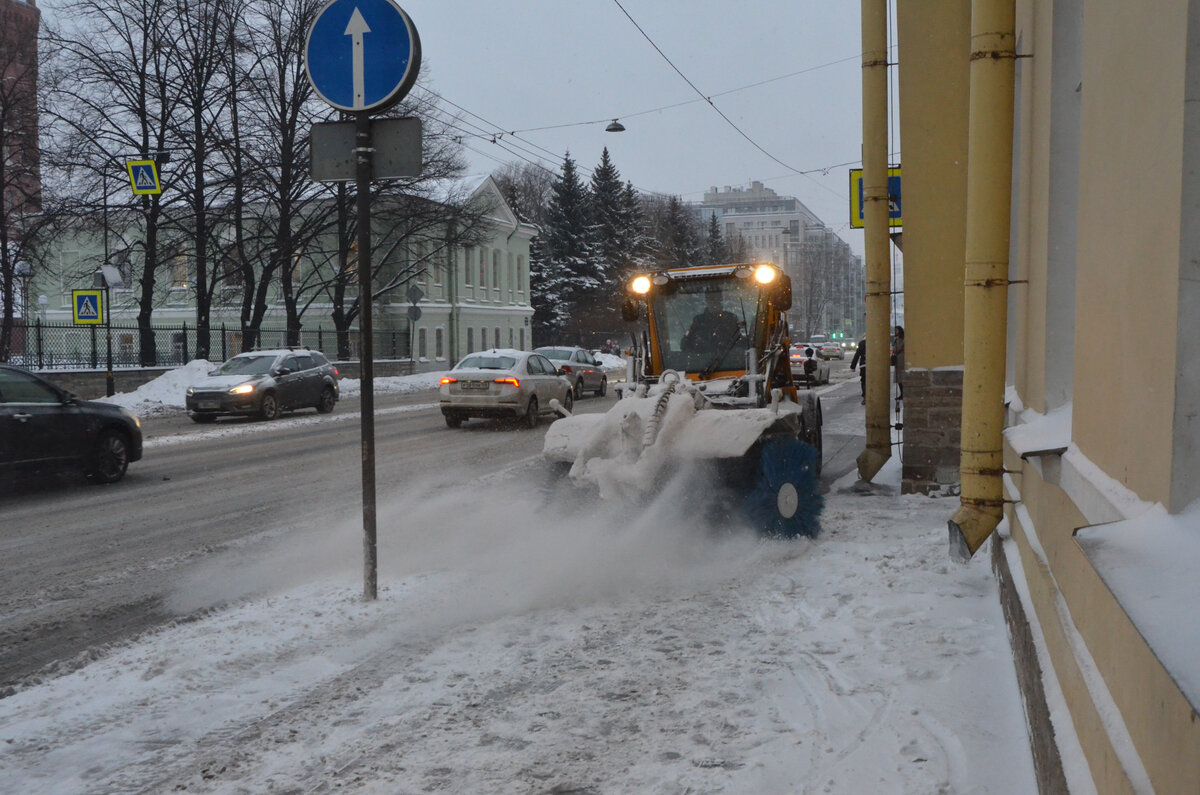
<point x="875" y="223"/>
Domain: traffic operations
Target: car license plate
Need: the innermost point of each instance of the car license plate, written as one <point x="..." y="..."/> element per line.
<point x="474" y="384"/>
<point x="208" y="404"/>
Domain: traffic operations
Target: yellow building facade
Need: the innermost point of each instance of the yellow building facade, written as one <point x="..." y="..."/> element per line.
<point x="1101" y="475"/>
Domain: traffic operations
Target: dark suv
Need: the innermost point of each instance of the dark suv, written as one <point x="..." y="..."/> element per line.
<point x="265" y="384"/>
<point x="45" y="427"/>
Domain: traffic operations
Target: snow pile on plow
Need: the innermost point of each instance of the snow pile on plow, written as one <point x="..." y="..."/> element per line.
<point x="762" y="470"/>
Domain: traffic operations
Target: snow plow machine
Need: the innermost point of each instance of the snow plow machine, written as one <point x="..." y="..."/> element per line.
<point x="708" y="382"/>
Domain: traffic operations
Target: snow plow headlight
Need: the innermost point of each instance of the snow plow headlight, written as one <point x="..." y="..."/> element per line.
<point x="765" y="274"/>
<point x="640" y="285"/>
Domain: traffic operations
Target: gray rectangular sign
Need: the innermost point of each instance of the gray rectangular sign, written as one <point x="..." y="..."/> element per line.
<point x="397" y="144"/>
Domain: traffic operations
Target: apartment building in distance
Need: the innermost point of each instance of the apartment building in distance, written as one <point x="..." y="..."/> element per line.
<point x="827" y="277"/>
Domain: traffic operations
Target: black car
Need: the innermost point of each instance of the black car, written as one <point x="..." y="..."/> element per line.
<point x="265" y="384"/>
<point x="45" y="427"/>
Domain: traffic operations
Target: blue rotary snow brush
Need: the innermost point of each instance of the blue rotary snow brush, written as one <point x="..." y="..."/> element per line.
<point x="785" y="499"/>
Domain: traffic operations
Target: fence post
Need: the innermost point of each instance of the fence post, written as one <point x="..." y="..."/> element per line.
<point x="223" y="356"/>
<point x="94" y="353"/>
<point x="38" y="337"/>
<point x="320" y="343"/>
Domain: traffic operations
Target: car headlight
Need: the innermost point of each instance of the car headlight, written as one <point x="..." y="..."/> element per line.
<point x="191" y="391"/>
<point x="242" y="389"/>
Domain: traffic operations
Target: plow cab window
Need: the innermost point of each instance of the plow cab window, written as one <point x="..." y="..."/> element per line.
<point x="707" y="326"/>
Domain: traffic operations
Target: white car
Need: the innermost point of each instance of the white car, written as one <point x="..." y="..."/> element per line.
<point x="503" y="383"/>
<point x="808" y="370"/>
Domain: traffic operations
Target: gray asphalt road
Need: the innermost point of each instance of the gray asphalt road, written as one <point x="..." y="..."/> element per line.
<point x="82" y="566"/>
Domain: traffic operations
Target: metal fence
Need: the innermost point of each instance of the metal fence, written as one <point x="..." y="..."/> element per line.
<point x="66" y="346"/>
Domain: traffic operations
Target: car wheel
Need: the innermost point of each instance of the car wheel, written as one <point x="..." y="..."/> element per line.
<point x="110" y="458"/>
<point x="269" y="408"/>
<point x="531" y="413"/>
<point x="568" y="402"/>
<point x="203" y="419"/>
<point x="454" y="420"/>
<point x="579" y="389"/>
<point x="327" y="401"/>
<point x="603" y="390"/>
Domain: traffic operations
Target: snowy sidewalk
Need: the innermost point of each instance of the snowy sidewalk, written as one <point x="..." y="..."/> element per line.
<point x="601" y="655"/>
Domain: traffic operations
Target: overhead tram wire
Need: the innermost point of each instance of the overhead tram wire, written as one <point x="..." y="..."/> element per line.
<point x="497" y="133"/>
<point x="674" y="105"/>
<point x="708" y="99"/>
<point x="482" y="133"/>
<point x="496" y="128"/>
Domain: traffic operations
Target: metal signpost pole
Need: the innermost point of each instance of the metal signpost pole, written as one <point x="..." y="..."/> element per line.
<point x="362" y="57"/>
<point x="110" y="387"/>
<point x="363" y="151"/>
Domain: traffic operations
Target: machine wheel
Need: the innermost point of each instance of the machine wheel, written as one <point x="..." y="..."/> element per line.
<point x="110" y="458"/>
<point x="786" y="497"/>
<point x="269" y="409"/>
<point x="327" y="402"/>
<point x="578" y="389"/>
<point x="531" y="413"/>
<point x="568" y="401"/>
<point x="603" y="387"/>
<point x="811" y="426"/>
<point x="454" y="420"/>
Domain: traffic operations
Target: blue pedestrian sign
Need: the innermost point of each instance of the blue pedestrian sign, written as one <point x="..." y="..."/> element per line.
<point x="895" y="214"/>
<point x="88" y="307"/>
<point x="143" y="176"/>
<point x="362" y="55"/>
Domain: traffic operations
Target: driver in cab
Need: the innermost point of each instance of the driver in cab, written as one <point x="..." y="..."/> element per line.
<point x="713" y="329"/>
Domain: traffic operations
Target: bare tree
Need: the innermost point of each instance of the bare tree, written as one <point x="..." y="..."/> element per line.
<point x="527" y="188"/>
<point x="811" y="295"/>
<point x="120" y="100"/>
<point x="206" y="30"/>
<point x="417" y="223"/>
<point x="274" y="138"/>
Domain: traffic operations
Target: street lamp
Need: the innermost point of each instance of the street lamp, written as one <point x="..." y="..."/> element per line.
<point x="615" y="126"/>
<point x="107" y="276"/>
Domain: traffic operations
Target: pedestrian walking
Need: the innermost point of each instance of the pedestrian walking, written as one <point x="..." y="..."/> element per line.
<point x="859" y="362"/>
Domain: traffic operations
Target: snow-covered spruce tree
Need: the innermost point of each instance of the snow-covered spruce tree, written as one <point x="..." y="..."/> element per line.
<point x="641" y="243"/>
<point x="613" y="236"/>
<point x="715" y="250"/>
<point x="678" y="234"/>
<point x="564" y="282"/>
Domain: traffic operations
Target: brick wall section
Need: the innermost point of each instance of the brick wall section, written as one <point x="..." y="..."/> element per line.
<point x="932" y="431"/>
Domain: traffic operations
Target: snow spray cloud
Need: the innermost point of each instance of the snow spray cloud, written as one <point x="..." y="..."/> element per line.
<point x="511" y="542"/>
<point x="518" y="544"/>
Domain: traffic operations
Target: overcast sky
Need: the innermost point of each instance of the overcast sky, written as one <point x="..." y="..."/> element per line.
<point x="517" y="65"/>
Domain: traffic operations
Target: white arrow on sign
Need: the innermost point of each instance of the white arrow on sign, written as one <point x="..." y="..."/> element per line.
<point x="355" y="29"/>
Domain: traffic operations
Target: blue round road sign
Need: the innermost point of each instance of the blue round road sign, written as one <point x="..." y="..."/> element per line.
<point x="362" y="55"/>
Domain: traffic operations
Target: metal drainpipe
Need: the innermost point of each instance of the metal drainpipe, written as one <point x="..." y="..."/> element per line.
<point x="875" y="222"/>
<point x="989" y="192"/>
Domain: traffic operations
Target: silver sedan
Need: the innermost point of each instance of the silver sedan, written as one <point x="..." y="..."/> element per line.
<point x="580" y="367"/>
<point x="503" y="383"/>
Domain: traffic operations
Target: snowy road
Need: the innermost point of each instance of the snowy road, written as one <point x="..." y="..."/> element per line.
<point x="516" y="648"/>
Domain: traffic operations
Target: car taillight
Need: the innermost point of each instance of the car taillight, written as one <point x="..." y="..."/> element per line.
<point x="567" y="368"/>
<point x="335" y="373"/>
<point x="448" y="380"/>
<point x="512" y="381"/>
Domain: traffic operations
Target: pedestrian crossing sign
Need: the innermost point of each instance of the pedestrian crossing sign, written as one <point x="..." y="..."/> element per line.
<point x="88" y="306"/>
<point x="143" y="176"/>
